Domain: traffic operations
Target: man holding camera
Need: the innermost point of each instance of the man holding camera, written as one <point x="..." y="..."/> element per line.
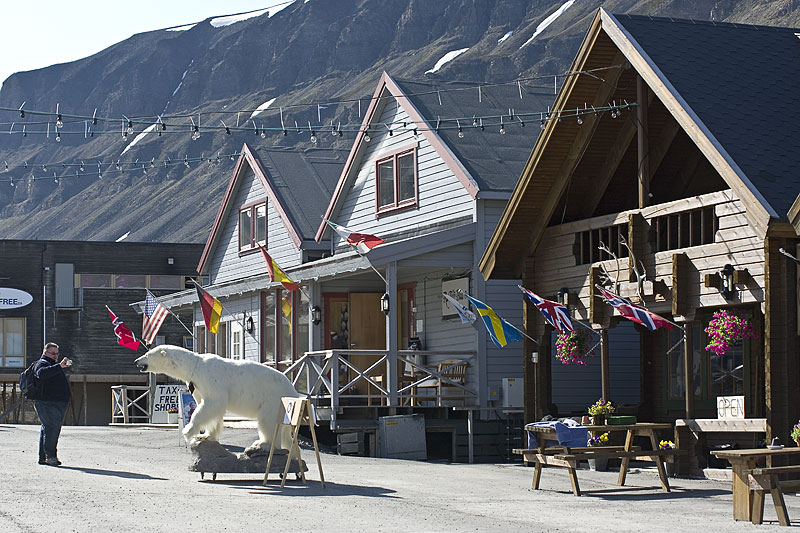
<point x="51" y="401"/>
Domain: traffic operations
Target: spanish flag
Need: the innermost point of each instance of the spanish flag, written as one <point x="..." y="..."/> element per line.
<point x="212" y="309"/>
<point x="276" y="274"/>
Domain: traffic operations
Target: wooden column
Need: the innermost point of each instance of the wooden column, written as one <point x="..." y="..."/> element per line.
<point x="642" y="145"/>
<point x="688" y="370"/>
<point x="605" y="372"/>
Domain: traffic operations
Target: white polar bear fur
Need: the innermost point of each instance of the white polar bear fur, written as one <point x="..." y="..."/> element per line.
<point x="244" y="388"/>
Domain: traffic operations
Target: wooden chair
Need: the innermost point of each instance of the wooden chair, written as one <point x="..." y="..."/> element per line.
<point x="450" y="373"/>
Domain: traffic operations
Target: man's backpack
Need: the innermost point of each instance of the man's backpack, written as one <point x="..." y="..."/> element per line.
<point x="29" y="384"/>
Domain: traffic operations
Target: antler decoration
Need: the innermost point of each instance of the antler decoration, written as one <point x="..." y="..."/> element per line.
<point x="605" y="277"/>
<point x="638" y="269"/>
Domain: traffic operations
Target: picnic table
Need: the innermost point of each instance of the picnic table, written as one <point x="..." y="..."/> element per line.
<point x="750" y="484"/>
<point x="569" y="457"/>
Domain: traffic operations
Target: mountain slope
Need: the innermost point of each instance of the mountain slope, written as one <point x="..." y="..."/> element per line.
<point x="319" y="60"/>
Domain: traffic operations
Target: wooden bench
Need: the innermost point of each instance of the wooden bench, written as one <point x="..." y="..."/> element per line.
<point x="763" y="480"/>
<point x="569" y="459"/>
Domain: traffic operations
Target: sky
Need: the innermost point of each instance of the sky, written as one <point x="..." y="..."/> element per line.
<point x="40" y="33"/>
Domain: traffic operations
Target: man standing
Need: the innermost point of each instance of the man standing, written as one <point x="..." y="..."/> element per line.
<point x="51" y="402"/>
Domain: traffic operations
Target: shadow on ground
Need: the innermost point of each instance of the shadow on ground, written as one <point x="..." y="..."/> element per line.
<point x="296" y="488"/>
<point x="115" y="473"/>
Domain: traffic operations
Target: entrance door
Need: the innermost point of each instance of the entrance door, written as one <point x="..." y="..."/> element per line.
<point x="367" y="332"/>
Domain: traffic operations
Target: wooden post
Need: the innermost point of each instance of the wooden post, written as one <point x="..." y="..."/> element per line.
<point x="643" y="148"/>
<point x="688" y="370"/>
<point x="605" y="370"/>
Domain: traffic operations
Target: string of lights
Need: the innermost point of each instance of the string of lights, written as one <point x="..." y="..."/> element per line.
<point x="85" y="167"/>
<point x="442" y="123"/>
<point x="129" y="122"/>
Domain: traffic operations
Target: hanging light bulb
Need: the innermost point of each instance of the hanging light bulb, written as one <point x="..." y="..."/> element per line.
<point x="12" y="182"/>
<point x="263" y="134"/>
<point x="186" y="161"/>
<point x="81" y="167"/>
<point x="44" y="168"/>
<point x="58" y="136"/>
<point x="580" y="120"/>
<point x="313" y="137"/>
<point x="460" y="133"/>
<point x="195" y="133"/>
<point x="502" y="126"/>
<point x="129" y="130"/>
<point x="59" y="122"/>
<point x="233" y="158"/>
<point x="367" y="138"/>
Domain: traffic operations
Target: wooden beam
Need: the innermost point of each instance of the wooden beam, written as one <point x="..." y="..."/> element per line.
<point x="562" y="176"/>
<point x="643" y="173"/>
<point x="605" y="366"/>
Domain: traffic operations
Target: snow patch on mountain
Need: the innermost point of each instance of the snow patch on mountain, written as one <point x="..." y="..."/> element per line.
<point x="549" y="20"/>
<point x="449" y="56"/>
<point x="260" y="109"/>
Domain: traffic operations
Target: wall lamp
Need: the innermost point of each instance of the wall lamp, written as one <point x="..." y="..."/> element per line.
<point x="316" y="315"/>
<point x="249" y="325"/>
<point x="385" y="303"/>
<point x="726" y="280"/>
<point x="564" y="297"/>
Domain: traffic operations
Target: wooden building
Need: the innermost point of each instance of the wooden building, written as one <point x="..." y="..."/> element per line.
<point x="698" y="177"/>
<point x="70" y="284"/>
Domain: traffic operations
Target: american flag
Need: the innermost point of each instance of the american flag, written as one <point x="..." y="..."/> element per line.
<point x="555" y="313"/>
<point x="633" y="312"/>
<point x="153" y="317"/>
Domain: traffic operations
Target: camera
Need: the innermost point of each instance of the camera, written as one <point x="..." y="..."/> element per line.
<point x="69" y="362"/>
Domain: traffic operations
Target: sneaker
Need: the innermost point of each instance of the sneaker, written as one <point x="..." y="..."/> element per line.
<point x="52" y="461"/>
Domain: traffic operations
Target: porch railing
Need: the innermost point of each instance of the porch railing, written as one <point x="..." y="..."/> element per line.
<point x="358" y="378"/>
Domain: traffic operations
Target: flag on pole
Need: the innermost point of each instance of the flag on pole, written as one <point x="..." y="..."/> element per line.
<point x="276" y="274"/>
<point x="633" y="312"/>
<point x="555" y="313"/>
<point x="152" y="318"/>
<point x="467" y="316"/>
<point x="212" y="309"/>
<point x="363" y="242"/>
<point x="125" y="336"/>
<point x="499" y="330"/>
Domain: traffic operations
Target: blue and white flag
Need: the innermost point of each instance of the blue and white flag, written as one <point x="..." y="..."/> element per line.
<point x="467" y="316"/>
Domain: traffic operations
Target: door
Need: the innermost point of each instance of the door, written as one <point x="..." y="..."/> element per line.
<point x="367" y="326"/>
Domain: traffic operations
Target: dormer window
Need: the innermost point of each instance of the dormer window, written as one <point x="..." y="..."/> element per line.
<point x="252" y="226"/>
<point x="396" y="181"/>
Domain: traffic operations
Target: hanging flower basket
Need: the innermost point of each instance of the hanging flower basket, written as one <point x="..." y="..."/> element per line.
<point x="573" y="348"/>
<point x="724" y="329"/>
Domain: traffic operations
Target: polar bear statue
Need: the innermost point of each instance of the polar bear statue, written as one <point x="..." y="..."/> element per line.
<point x="244" y="388"/>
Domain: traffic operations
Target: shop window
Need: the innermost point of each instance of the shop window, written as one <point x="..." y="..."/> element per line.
<point x="12" y="342"/>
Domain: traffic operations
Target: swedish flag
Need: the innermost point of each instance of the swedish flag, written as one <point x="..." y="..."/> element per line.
<point x="500" y="331"/>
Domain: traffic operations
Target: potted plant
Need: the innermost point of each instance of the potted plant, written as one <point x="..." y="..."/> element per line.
<point x="573" y="348"/>
<point x="600" y="410"/>
<point x="670" y="464"/>
<point x="725" y="329"/>
<point x="172" y="415"/>
<point x="599" y="463"/>
<point x="795" y="434"/>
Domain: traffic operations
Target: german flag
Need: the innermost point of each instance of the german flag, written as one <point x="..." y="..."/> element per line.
<point x="212" y="309"/>
<point x="276" y="274"/>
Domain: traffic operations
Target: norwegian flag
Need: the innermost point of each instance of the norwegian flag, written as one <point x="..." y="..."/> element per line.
<point x="152" y="318"/>
<point x="555" y="313"/>
<point x="125" y="337"/>
<point x="633" y="312"/>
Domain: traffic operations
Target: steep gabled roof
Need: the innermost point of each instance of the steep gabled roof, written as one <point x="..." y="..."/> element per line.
<point x="297" y="183"/>
<point x="483" y="160"/>
<point x="728" y="87"/>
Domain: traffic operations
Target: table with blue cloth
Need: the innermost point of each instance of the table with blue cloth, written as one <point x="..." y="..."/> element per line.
<point x="557" y="444"/>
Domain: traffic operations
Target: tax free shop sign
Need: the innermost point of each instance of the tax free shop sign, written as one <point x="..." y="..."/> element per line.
<point x="13" y="298"/>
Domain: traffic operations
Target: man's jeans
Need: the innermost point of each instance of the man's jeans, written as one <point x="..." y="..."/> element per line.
<point x="51" y="415"/>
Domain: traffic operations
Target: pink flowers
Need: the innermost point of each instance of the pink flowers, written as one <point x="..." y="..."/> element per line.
<point x="573" y="348"/>
<point x="725" y="329"/>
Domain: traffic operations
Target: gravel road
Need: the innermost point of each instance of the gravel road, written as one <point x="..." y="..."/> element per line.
<point x="136" y="479"/>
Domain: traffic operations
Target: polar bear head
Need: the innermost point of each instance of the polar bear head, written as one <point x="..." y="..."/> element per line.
<point x="165" y="359"/>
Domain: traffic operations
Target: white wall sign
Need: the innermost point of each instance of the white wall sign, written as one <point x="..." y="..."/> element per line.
<point x="167" y="397"/>
<point x="13" y="298"/>
<point x="730" y="407"/>
<point x="455" y="288"/>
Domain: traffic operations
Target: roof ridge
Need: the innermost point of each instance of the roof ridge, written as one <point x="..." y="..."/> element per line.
<point x="705" y="22"/>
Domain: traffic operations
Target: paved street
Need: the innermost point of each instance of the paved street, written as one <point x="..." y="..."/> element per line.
<point x="136" y="479"/>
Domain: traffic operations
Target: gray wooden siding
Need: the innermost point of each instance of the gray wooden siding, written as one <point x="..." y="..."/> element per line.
<point x="492" y="211"/>
<point x="225" y="263"/>
<point x="576" y="387"/>
<point x="233" y="309"/>
<point x="441" y="195"/>
<point x="506" y="299"/>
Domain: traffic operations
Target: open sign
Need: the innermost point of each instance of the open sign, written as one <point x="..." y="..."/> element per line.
<point x="730" y="407"/>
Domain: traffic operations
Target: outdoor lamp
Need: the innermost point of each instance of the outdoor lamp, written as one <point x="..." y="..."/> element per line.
<point x="726" y="276"/>
<point x="249" y="324"/>
<point x="385" y="303"/>
<point x="563" y="296"/>
<point x="316" y="315"/>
